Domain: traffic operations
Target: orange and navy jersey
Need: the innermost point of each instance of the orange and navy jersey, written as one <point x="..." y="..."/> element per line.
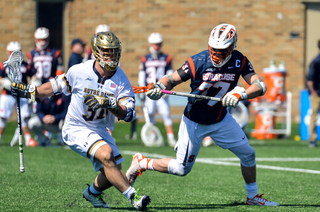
<point x="211" y="81"/>
<point x="45" y="64"/>
<point x="25" y="71"/>
<point x="155" y="67"/>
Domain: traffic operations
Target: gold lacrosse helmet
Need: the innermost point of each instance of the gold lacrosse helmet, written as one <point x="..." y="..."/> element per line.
<point x="106" y="49"/>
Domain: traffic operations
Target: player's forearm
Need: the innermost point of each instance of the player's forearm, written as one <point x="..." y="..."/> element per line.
<point x="170" y="81"/>
<point x="44" y="90"/>
<point x="257" y="87"/>
<point x="120" y="112"/>
<point x="253" y="91"/>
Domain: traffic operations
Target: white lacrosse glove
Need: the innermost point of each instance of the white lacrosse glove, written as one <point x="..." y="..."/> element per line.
<point x="232" y="98"/>
<point x="96" y="102"/>
<point x="155" y="93"/>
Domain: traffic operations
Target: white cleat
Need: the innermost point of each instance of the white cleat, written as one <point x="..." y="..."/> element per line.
<point x="140" y="202"/>
<point x="258" y="200"/>
<point x="135" y="170"/>
<point x="96" y="200"/>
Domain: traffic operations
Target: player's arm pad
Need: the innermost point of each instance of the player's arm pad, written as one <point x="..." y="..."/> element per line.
<point x="55" y="86"/>
<point x="261" y="85"/>
<point x="131" y="112"/>
<point x="173" y="83"/>
<point x="183" y="75"/>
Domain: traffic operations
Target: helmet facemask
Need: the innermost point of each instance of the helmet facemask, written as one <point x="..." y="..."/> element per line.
<point x="106" y="48"/>
<point x="155" y="48"/>
<point x="220" y="57"/>
<point x="41" y="38"/>
<point x="222" y="42"/>
<point x="42" y="43"/>
<point x="109" y="58"/>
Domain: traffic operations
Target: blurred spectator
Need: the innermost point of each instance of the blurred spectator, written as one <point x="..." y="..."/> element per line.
<point x="50" y="116"/>
<point x="7" y="101"/>
<point x="45" y="61"/>
<point x="153" y="67"/>
<point x="313" y="84"/>
<point x="77" y="48"/>
<point x="99" y="28"/>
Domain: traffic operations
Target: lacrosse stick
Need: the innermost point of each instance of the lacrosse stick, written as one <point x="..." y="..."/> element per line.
<point x="150" y="134"/>
<point x="142" y="89"/>
<point x="14" y="65"/>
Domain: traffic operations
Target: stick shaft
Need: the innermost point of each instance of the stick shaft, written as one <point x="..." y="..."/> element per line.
<point x="22" y="169"/>
<point x="191" y="95"/>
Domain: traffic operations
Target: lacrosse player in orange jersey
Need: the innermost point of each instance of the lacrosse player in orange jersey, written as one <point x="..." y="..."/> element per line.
<point x="45" y="61"/>
<point x="153" y="67"/>
<point x="213" y="72"/>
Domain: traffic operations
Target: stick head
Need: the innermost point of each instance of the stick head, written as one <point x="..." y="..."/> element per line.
<point x="14" y="64"/>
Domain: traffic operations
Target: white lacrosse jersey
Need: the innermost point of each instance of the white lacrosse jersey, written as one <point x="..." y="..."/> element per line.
<point x="82" y="79"/>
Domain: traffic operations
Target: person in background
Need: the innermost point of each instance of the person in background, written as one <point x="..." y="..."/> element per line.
<point x="50" y="116"/>
<point x="7" y="101"/>
<point x="313" y="85"/>
<point x="153" y="67"/>
<point x="77" y="49"/>
<point x="99" y="28"/>
<point x="45" y="61"/>
<point x="213" y="72"/>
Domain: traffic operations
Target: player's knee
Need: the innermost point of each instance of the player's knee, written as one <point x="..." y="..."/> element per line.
<point x="167" y="120"/>
<point x="24" y="122"/>
<point x="106" y="156"/>
<point x="34" y="122"/>
<point x="248" y="158"/>
<point x="178" y="169"/>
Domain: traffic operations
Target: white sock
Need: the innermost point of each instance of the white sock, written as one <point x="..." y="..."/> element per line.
<point x="128" y="192"/>
<point x="27" y="136"/>
<point x="252" y="189"/>
<point x="170" y="135"/>
<point x="146" y="163"/>
<point x="93" y="190"/>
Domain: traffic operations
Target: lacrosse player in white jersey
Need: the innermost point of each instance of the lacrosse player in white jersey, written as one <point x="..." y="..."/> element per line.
<point x="100" y="90"/>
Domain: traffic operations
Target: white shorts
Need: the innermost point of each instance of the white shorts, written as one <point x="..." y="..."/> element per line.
<point x="226" y="134"/>
<point x="163" y="108"/>
<point x="87" y="141"/>
<point x="7" y="105"/>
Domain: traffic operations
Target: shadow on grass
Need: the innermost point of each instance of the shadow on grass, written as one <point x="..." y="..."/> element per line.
<point x="199" y="207"/>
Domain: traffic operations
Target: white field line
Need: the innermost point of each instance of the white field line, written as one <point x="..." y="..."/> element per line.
<point x="221" y="161"/>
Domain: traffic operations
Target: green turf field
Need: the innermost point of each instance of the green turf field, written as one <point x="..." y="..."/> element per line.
<point x="287" y="172"/>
